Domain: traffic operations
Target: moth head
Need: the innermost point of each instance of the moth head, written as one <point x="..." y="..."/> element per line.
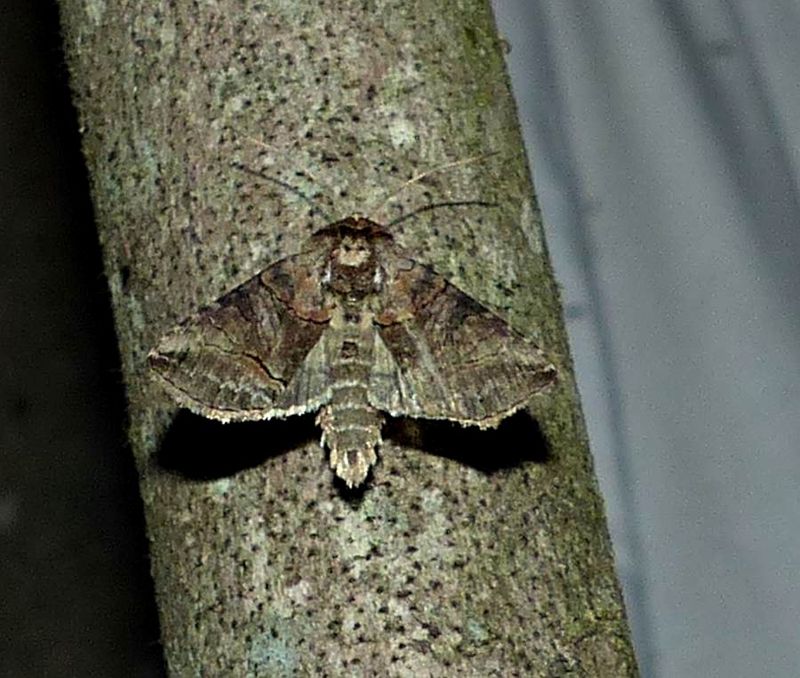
<point x="353" y="252"/>
<point x="354" y="269"/>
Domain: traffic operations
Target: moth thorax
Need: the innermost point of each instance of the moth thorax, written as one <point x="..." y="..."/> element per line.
<point x="354" y="271"/>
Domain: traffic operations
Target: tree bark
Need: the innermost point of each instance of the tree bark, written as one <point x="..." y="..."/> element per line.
<point x="473" y="553"/>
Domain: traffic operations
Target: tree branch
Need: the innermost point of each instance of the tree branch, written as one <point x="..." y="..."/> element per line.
<point x="469" y="552"/>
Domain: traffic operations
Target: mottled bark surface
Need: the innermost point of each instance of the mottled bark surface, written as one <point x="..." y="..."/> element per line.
<point x="473" y="553"/>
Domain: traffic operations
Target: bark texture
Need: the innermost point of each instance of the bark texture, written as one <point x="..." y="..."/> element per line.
<point x="472" y="553"/>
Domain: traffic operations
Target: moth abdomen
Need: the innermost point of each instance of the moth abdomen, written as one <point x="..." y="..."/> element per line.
<point x="351" y="431"/>
<point x="351" y="427"/>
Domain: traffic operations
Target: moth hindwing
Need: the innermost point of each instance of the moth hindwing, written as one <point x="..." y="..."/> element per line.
<point x="354" y="328"/>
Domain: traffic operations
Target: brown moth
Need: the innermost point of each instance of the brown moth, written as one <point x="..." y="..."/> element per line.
<point x="354" y="327"/>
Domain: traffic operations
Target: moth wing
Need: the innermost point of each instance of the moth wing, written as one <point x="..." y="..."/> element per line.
<point x="256" y="352"/>
<point x="439" y="354"/>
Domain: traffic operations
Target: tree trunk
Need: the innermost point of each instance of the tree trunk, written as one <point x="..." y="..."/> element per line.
<point x="469" y="552"/>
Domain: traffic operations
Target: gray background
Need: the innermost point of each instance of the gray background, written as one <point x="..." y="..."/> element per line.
<point x="666" y="142"/>
<point x="666" y="139"/>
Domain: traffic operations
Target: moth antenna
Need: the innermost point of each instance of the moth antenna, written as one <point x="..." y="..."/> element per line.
<point x="440" y="168"/>
<point x="257" y="142"/>
<point x="425" y="208"/>
<point x="285" y="186"/>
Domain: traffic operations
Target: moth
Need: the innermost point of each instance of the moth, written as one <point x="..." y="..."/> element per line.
<point x="355" y="328"/>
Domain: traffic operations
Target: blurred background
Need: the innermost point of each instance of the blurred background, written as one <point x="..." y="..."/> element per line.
<point x="665" y="138"/>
